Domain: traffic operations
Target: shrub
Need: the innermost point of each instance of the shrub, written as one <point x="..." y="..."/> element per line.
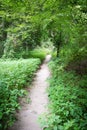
<point x="17" y="73"/>
<point x="68" y="100"/>
<point x="38" y="53"/>
<point x="8" y="105"/>
<point x="13" y="77"/>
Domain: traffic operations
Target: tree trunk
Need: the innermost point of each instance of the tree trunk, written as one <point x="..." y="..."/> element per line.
<point x="59" y="44"/>
<point x="4" y="32"/>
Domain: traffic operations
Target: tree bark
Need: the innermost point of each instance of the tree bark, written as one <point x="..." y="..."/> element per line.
<point x="59" y="44"/>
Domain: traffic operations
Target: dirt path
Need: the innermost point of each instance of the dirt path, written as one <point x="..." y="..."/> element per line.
<point x="28" y="115"/>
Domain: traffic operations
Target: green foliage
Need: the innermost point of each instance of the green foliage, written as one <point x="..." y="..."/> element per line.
<point x="35" y="53"/>
<point x="68" y="100"/>
<point x="26" y="25"/>
<point x="38" y="53"/>
<point x="8" y="104"/>
<point x="18" y="28"/>
<point x="14" y="75"/>
<point x="17" y="73"/>
<point x="22" y="37"/>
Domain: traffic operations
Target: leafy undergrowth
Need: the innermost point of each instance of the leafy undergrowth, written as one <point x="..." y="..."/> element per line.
<point x="68" y="100"/>
<point x="34" y="53"/>
<point x="38" y="53"/>
<point x="14" y="75"/>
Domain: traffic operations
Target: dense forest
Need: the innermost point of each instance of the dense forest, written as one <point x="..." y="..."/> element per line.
<point x="29" y="30"/>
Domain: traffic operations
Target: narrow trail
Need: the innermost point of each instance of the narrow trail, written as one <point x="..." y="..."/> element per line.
<point x="28" y="115"/>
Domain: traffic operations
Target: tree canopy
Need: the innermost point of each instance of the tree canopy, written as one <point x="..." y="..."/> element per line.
<point x="25" y="24"/>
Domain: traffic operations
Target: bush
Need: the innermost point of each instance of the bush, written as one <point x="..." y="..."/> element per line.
<point x="13" y="77"/>
<point x="8" y="105"/>
<point x="68" y="100"/>
<point x="38" y="53"/>
<point x="17" y="73"/>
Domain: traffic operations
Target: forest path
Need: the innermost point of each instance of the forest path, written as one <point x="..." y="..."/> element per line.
<point x="28" y="115"/>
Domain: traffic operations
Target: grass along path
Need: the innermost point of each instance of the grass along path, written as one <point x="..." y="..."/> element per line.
<point x="28" y="115"/>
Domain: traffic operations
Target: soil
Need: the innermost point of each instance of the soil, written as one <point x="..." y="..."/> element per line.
<point x="27" y="117"/>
